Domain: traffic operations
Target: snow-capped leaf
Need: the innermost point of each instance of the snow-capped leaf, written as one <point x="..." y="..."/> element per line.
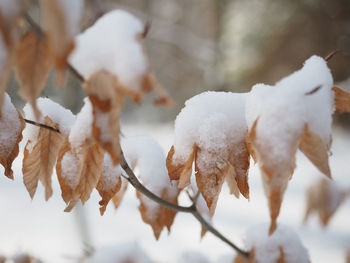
<point x="341" y="100"/>
<point x="295" y="112"/>
<point x="323" y="198"/>
<point x="33" y="64"/>
<point x="312" y="146"/>
<point x="107" y="102"/>
<point x="38" y="163"/>
<point x="210" y="132"/>
<point x="89" y="171"/>
<point x="11" y="127"/>
<point x="109" y="183"/>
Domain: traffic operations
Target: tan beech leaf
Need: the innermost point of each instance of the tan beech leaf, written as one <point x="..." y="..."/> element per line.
<point x="341" y="100"/>
<point x="56" y="27"/>
<point x="67" y="171"/>
<point x="180" y="172"/>
<point x="11" y="136"/>
<point x="109" y="183"/>
<point x="118" y="197"/>
<point x="89" y="170"/>
<point x="107" y="99"/>
<point x="40" y="161"/>
<point x="33" y="64"/>
<point x="323" y="198"/>
<point x="163" y="218"/>
<point x="312" y="146"/>
<point x="231" y="180"/>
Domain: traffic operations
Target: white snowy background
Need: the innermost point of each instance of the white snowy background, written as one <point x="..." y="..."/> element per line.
<point x="44" y="230"/>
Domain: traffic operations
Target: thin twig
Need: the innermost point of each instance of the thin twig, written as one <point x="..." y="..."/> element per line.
<point x="330" y="55"/>
<point x="133" y="180"/>
<point x="42" y="125"/>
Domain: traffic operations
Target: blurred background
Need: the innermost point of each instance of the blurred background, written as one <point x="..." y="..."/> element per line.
<point x="195" y="46"/>
<point x="223" y="45"/>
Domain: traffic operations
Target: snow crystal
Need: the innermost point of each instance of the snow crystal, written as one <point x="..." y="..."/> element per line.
<point x="267" y="248"/>
<point x="150" y="159"/>
<point x="129" y="252"/>
<point x="10" y="126"/>
<point x="73" y="12"/>
<point x="64" y="118"/>
<point x="112" y="44"/>
<point x="82" y="128"/>
<point x="69" y="166"/>
<point x="282" y="110"/>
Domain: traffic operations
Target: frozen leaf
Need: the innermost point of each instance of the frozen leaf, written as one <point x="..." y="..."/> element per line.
<point x="341" y="100"/>
<point x="118" y="197"/>
<point x="61" y="23"/>
<point x="312" y="146"/>
<point x="210" y="132"/>
<point x="32" y="66"/>
<point x="38" y="162"/>
<point x="323" y="198"/>
<point x="89" y="172"/>
<point x="109" y="183"/>
<point x="11" y="127"/>
<point x="295" y="112"/>
<point x="107" y="101"/>
<point x="146" y="154"/>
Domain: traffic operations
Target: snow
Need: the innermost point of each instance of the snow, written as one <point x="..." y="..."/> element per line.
<point x="69" y="166"/>
<point x="192" y="257"/>
<point x="64" y="118"/>
<point x="32" y="225"/>
<point x="102" y="122"/>
<point x="282" y="110"/>
<point x="110" y="173"/>
<point x="82" y="128"/>
<point x="112" y="44"/>
<point x="122" y="253"/>
<point x="149" y="157"/>
<point x="73" y="12"/>
<point x="10" y="127"/>
<point x="267" y="248"/>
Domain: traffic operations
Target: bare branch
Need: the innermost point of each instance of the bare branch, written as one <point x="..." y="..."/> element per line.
<point x="42" y="125"/>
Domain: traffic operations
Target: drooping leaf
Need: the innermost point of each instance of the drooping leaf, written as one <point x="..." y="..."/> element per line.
<point x="11" y="127"/>
<point x="313" y="147"/>
<point x="341" y="100"/>
<point x="109" y="183"/>
<point x="118" y="197"/>
<point x="38" y="163"/>
<point x="33" y="64"/>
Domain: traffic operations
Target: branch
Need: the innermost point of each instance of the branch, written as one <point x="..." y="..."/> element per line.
<point x="133" y="180"/>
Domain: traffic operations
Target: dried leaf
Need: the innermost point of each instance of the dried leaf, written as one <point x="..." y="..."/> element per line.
<point x="9" y="147"/>
<point x="89" y="170"/>
<point x="57" y="29"/>
<point x="109" y="183"/>
<point x="107" y="100"/>
<point x="231" y="180"/>
<point x="33" y="64"/>
<point x="39" y="162"/>
<point x="341" y="100"/>
<point x="323" y="198"/>
<point x="117" y="198"/>
<point x="180" y="172"/>
<point x="163" y="218"/>
<point x="313" y="147"/>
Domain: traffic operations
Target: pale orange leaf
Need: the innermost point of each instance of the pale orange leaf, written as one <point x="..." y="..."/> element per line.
<point x="341" y="100"/>
<point x="118" y="197"/>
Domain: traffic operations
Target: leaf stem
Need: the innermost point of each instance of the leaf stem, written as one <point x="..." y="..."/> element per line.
<point x="41" y="125"/>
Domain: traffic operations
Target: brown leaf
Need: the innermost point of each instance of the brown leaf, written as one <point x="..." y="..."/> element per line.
<point x="341" y="100"/>
<point x="323" y="198"/>
<point x="180" y="172"/>
<point x="117" y="198"/>
<point x="39" y="162"/>
<point x="107" y="101"/>
<point x="231" y="180"/>
<point x="164" y="217"/>
<point x="89" y="170"/>
<point x="315" y="150"/>
<point x="9" y="150"/>
<point x="33" y="64"/>
<point x="57" y="29"/>
<point x="109" y="183"/>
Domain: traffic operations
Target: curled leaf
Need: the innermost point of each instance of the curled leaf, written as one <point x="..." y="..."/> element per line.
<point x="341" y="100"/>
